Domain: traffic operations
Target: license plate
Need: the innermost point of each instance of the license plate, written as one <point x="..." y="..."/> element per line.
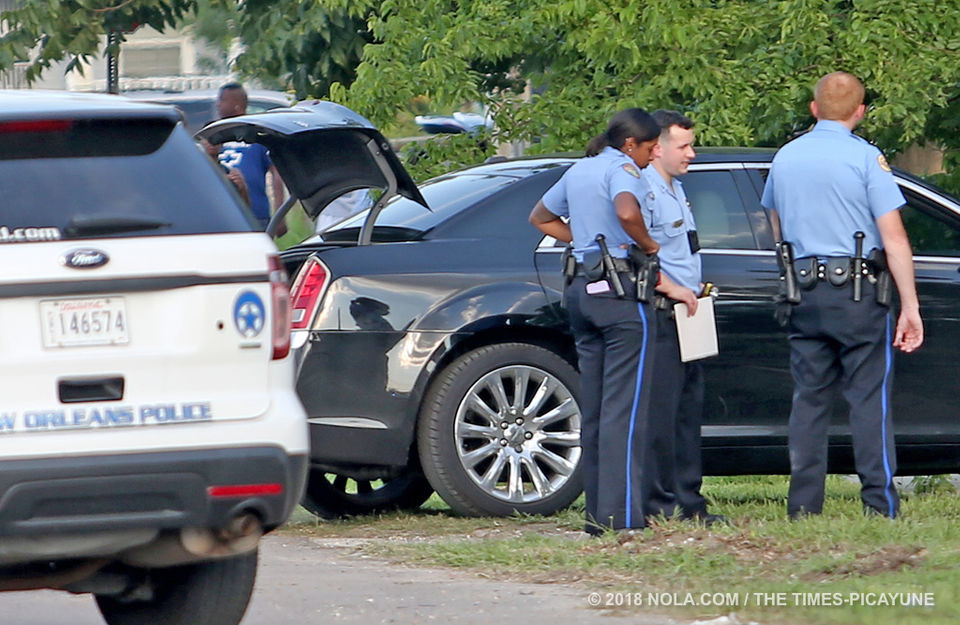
<point x="81" y="322"/>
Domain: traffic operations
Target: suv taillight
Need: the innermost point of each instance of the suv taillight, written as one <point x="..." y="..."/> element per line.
<point x="307" y="291"/>
<point x="280" y="296"/>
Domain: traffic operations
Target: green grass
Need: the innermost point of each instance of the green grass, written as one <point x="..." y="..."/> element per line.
<point x="839" y="555"/>
<point x="299" y="228"/>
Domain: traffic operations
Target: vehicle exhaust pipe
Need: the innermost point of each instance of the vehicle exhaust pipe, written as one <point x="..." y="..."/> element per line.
<point x="240" y="535"/>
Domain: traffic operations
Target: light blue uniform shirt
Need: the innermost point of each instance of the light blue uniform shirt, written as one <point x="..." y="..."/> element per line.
<point x="668" y="216"/>
<point x="825" y="186"/>
<point x="585" y="194"/>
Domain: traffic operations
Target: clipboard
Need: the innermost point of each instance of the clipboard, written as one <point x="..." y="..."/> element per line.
<point x="697" y="334"/>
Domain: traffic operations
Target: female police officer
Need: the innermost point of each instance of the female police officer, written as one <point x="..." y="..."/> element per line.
<point x="614" y="335"/>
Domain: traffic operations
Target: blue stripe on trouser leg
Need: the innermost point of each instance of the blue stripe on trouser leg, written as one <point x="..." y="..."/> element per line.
<point x="888" y="490"/>
<point x="633" y="417"/>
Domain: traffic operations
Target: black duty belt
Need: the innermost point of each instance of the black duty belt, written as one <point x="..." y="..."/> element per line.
<point x="837" y="270"/>
<point x="620" y="264"/>
<point x="662" y="302"/>
<point x="803" y="274"/>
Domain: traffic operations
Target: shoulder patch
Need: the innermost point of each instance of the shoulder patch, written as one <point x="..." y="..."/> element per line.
<point x="631" y="169"/>
<point x="883" y="163"/>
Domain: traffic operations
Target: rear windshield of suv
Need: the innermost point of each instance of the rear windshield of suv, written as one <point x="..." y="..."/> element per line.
<point x="75" y="180"/>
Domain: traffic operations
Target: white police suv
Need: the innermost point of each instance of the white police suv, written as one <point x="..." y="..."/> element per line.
<point x="149" y="428"/>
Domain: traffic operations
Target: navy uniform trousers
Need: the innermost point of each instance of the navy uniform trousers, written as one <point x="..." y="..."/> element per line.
<point x="614" y="340"/>
<point x="676" y="414"/>
<point x="835" y="341"/>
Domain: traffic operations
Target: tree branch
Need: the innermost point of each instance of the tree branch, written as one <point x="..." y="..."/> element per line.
<point x="113" y="8"/>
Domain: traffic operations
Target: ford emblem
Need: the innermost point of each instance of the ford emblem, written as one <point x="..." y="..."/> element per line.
<point x="86" y="258"/>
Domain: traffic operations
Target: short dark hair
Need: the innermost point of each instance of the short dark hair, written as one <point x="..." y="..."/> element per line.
<point x="633" y="123"/>
<point x="238" y="94"/>
<point x="232" y="86"/>
<point x="665" y="119"/>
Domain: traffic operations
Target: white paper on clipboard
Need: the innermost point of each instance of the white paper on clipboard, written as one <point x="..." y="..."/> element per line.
<point x="697" y="334"/>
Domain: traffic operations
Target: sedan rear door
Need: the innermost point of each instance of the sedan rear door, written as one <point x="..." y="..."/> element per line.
<point x="747" y="391"/>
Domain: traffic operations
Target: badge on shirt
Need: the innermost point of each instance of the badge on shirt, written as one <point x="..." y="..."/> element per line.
<point x="883" y="163"/>
<point x="632" y="170"/>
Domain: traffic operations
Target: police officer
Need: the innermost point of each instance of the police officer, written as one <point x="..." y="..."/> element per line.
<point x="677" y="405"/>
<point x="824" y="188"/>
<point x="614" y="334"/>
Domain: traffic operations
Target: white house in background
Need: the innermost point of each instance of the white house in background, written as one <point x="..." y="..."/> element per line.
<point x="148" y="60"/>
<point x="13" y="78"/>
<point x="152" y="60"/>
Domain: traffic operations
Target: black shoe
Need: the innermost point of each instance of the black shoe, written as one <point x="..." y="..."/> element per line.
<point x="708" y="519"/>
<point x="799" y="515"/>
<point x="715" y="519"/>
<point x="870" y="511"/>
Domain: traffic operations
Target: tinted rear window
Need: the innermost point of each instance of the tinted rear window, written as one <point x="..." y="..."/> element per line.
<point x="111" y="179"/>
<point x="446" y="196"/>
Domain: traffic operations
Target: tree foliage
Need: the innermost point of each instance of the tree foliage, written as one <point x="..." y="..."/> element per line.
<point x="53" y="30"/>
<point x="743" y="69"/>
<point x="300" y="44"/>
<point x="215" y="24"/>
<point x="293" y="44"/>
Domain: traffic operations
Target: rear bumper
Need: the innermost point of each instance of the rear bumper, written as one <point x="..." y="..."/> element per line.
<point x="160" y="490"/>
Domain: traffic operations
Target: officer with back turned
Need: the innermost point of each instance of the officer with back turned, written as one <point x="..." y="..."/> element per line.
<point x="611" y="266"/>
<point x="833" y="199"/>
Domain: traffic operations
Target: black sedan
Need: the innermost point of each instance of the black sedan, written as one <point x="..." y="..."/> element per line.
<point x="433" y="352"/>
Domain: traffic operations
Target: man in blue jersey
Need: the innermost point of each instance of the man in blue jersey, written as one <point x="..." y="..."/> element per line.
<point x="832" y="197"/>
<point x="251" y="159"/>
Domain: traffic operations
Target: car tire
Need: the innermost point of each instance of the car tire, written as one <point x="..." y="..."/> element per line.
<point x="499" y="432"/>
<point x="333" y="496"/>
<point x="214" y="592"/>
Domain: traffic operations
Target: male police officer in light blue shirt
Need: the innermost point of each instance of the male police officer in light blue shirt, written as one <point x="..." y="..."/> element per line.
<point x="824" y="188"/>
<point x="677" y="404"/>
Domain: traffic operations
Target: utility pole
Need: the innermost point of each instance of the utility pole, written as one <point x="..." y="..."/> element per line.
<point x="113" y="63"/>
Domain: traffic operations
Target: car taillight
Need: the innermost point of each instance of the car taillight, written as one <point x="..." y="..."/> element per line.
<point x="244" y="490"/>
<point x="280" y="297"/>
<point x="307" y="291"/>
<point x="36" y="125"/>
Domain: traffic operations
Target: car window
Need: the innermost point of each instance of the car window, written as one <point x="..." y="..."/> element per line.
<point x="201" y="111"/>
<point x="95" y="179"/>
<point x="718" y="210"/>
<point x="446" y="196"/>
<point x="930" y="234"/>
<point x="197" y="113"/>
<point x="258" y="106"/>
<point x="505" y="214"/>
